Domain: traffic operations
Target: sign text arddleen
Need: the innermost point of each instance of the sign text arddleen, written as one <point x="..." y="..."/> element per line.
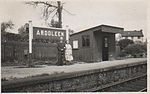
<point x="48" y="33"/>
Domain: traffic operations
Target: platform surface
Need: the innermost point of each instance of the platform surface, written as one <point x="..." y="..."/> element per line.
<point x="17" y="72"/>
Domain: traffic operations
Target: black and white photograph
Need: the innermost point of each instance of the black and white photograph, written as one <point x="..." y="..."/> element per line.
<point x="74" y="46"/>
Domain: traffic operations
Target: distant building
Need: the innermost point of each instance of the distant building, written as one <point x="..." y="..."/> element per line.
<point x="95" y="44"/>
<point x="133" y="35"/>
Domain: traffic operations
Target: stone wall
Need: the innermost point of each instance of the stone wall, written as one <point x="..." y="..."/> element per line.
<point x="89" y="80"/>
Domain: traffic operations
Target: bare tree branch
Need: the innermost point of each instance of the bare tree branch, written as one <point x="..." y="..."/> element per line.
<point x="45" y="12"/>
<point x="50" y="9"/>
<point x="68" y="12"/>
<point x="40" y="2"/>
<point x="54" y="15"/>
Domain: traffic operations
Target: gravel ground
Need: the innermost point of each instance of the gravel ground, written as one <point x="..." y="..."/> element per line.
<point x="21" y="72"/>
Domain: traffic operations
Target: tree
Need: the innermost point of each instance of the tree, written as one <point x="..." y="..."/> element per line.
<point x="6" y="25"/>
<point x="24" y="32"/>
<point x="138" y="42"/>
<point x="12" y="37"/>
<point x="54" y="24"/>
<point x="135" y="49"/>
<point x="51" y="9"/>
<point x="124" y="43"/>
<point x="23" y="29"/>
<point x="71" y="31"/>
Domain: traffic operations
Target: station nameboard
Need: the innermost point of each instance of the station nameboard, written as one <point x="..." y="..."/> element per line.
<point x="48" y="33"/>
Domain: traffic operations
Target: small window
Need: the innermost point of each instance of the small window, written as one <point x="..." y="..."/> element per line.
<point x="85" y="41"/>
<point x="132" y="37"/>
<point x="106" y="42"/>
<point x="139" y="37"/>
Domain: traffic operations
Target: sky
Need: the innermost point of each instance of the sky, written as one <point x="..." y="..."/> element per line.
<point x="128" y="14"/>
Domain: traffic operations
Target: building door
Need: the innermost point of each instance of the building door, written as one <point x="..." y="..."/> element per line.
<point x="105" y="49"/>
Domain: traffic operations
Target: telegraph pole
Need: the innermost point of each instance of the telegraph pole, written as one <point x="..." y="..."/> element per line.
<point x="59" y="10"/>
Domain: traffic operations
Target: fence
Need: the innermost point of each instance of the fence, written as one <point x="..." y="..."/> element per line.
<point x="13" y="50"/>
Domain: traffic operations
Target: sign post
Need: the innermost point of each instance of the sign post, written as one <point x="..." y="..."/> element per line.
<point x="67" y="33"/>
<point x="30" y="42"/>
<point x="44" y="33"/>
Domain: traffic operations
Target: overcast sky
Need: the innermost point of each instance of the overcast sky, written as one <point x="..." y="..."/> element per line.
<point x="129" y="14"/>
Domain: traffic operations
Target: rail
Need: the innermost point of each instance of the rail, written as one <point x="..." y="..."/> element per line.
<point x="121" y="84"/>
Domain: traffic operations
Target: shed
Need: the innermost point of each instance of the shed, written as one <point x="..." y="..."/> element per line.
<point x="95" y="44"/>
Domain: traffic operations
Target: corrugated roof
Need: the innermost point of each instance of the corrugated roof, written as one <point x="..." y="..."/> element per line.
<point x="134" y="33"/>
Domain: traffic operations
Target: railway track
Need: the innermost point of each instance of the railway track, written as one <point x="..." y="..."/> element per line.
<point x="136" y="84"/>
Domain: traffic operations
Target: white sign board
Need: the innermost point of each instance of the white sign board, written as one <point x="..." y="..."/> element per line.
<point x="75" y="44"/>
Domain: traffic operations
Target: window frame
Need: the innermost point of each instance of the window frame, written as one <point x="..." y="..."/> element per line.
<point x="85" y="40"/>
<point x="138" y="37"/>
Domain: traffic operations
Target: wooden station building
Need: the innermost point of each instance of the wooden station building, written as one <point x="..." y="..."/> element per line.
<point x="95" y="44"/>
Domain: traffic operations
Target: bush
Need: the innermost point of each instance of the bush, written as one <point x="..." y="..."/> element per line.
<point x="122" y="54"/>
<point x="124" y="43"/>
<point x="135" y="50"/>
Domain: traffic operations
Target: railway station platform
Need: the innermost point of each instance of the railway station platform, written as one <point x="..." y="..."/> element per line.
<point x="77" y="77"/>
<point x="16" y="72"/>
